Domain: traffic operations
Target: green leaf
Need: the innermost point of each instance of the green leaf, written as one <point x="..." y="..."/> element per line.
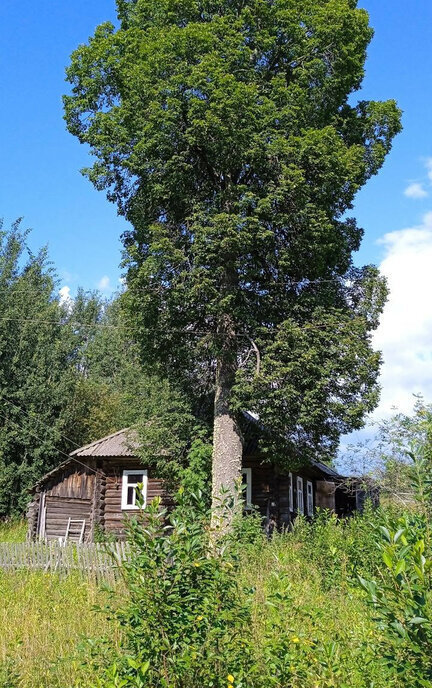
<point x="388" y="559"/>
<point x="418" y="620"/>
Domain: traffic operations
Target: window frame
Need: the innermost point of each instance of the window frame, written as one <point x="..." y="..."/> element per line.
<point x="290" y="492"/>
<point x="247" y="494"/>
<point x="309" y="504"/>
<point x="300" y="491"/>
<point x="125" y="485"/>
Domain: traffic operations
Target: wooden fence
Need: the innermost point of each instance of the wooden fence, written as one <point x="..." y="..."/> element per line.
<point x="97" y="561"/>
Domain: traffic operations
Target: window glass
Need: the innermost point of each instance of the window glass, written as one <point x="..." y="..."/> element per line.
<point x="131" y="495"/>
<point x="247" y="480"/>
<point x="310" y="507"/>
<point x="300" y="499"/>
<point x="134" y="478"/>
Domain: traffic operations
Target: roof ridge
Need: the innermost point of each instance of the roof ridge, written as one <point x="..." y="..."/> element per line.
<point x="95" y="443"/>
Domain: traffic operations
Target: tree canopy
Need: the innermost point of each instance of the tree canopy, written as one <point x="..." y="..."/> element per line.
<point x="228" y="135"/>
<point x="69" y="370"/>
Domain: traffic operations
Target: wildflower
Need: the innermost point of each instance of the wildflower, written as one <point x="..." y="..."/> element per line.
<point x="230" y="678"/>
<point x="199" y="618"/>
<point x="197" y="564"/>
<point x="294" y="639"/>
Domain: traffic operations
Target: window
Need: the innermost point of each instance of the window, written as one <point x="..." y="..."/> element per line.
<point x="290" y="493"/>
<point x="309" y="498"/>
<point x="247" y="483"/>
<point x="131" y="480"/>
<point x="300" y="499"/>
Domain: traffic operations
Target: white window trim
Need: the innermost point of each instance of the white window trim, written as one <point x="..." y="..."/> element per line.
<point x="133" y="507"/>
<point x="309" y="498"/>
<point x="247" y="494"/>
<point x="290" y="492"/>
<point x="300" y="502"/>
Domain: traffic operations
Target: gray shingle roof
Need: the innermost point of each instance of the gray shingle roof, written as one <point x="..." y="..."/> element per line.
<point x="121" y="443"/>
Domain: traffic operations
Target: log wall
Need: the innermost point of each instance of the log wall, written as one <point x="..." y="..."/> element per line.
<point x="95" y="493"/>
<point x="67" y="493"/>
<point x="113" y="516"/>
<point x="325" y="495"/>
<point x="58" y="512"/>
<point x="270" y="491"/>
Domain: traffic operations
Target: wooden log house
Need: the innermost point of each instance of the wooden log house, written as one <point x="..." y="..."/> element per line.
<point x="95" y="489"/>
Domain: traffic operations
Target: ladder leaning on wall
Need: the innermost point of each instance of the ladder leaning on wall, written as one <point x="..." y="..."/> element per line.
<point x="75" y="527"/>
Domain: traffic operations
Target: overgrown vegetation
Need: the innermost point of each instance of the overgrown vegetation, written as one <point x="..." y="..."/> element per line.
<point x="50" y="631"/>
<point x="333" y="603"/>
<point x="386" y="455"/>
<point x="13" y="530"/>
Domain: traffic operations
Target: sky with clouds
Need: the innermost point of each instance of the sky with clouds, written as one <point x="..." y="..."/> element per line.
<point x="40" y="163"/>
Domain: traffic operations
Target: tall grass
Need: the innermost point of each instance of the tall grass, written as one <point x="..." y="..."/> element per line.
<point x="51" y="634"/>
<point x="13" y="530"/>
<point x="252" y="613"/>
<point x="311" y="625"/>
<point x="303" y="620"/>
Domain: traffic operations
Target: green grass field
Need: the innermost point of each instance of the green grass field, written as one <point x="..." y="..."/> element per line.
<point x="307" y="611"/>
<point x="51" y="630"/>
<point x="13" y="530"/>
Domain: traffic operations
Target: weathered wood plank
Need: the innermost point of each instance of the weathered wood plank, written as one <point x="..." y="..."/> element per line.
<point x="91" y="560"/>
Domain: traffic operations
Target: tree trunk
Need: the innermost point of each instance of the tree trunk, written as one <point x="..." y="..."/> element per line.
<point x="227" y="447"/>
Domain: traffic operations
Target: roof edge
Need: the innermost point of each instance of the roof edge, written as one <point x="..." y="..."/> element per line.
<point x="76" y="452"/>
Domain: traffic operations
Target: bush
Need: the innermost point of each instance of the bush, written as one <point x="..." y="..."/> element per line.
<point x="186" y="621"/>
<point x="401" y="595"/>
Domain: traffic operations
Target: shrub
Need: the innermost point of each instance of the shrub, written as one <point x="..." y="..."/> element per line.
<point x="401" y="595"/>
<point x="186" y="620"/>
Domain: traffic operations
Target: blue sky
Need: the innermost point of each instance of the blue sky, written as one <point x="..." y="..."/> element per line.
<point x="40" y="160"/>
<point x="40" y="163"/>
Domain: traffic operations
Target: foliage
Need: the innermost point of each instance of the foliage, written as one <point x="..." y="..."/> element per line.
<point x="196" y="476"/>
<point x="13" y="530"/>
<point x="402" y="599"/>
<point x="166" y="423"/>
<point x="228" y="136"/>
<point x="70" y="372"/>
<point x="35" y="375"/>
<point x="304" y="618"/>
<point x="51" y="634"/>
<point x="114" y="390"/>
<point x="186" y="620"/>
<point x="295" y="616"/>
<point x="402" y="595"/>
<point x="388" y="454"/>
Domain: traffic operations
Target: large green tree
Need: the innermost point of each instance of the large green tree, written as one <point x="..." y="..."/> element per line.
<point x="226" y="132"/>
<point x="36" y="378"/>
<point x="69" y="370"/>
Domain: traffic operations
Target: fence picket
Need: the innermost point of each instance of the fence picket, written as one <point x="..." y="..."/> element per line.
<point x="93" y="560"/>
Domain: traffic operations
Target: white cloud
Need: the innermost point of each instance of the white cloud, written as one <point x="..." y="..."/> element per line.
<point x="65" y="294"/>
<point x="65" y="297"/>
<point x="428" y="165"/>
<point x="405" y="333"/>
<point x="416" y="190"/>
<point x="104" y="283"/>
